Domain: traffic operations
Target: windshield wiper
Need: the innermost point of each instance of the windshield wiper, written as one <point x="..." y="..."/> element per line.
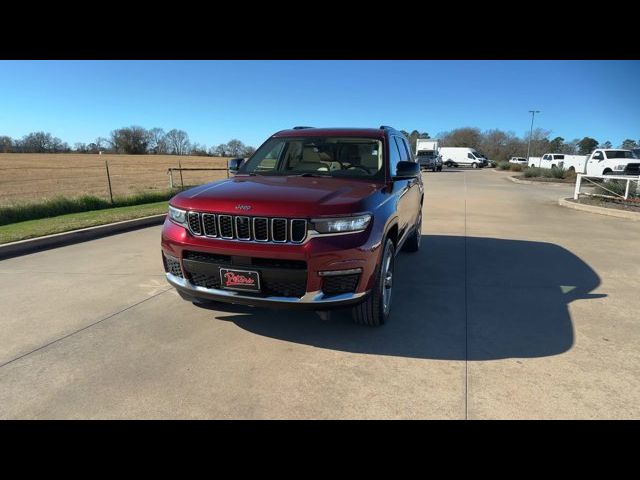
<point x="308" y="174"/>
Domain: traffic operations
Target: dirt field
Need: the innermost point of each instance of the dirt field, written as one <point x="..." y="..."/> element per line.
<point x="32" y="177"/>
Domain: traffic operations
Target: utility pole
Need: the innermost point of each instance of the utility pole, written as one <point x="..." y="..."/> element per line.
<point x="533" y="114"/>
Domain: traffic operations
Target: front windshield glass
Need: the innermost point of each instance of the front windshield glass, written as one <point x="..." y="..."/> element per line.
<point x="317" y="156"/>
<point x="619" y="154"/>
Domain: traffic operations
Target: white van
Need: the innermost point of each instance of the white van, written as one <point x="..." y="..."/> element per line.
<point x="461" y="156"/>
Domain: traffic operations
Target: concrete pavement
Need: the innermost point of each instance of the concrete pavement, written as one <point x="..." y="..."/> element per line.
<point x="514" y="308"/>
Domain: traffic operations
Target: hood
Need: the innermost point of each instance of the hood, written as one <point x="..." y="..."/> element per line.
<point x="280" y="196"/>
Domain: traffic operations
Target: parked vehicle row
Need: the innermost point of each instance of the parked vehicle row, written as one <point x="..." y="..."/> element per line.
<point x="609" y="161"/>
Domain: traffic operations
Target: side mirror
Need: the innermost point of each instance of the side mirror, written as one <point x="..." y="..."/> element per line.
<point x="235" y="164"/>
<point x="406" y="170"/>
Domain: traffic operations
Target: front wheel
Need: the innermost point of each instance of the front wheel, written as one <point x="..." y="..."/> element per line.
<point x="474" y="165"/>
<point x="374" y="311"/>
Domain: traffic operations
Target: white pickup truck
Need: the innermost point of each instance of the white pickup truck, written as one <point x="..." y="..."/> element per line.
<point x="604" y="161"/>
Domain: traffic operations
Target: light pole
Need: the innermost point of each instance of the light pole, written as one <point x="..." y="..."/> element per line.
<point x="533" y="114"/>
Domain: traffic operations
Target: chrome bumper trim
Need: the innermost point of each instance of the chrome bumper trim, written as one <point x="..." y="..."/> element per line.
<point x="316" y="297"/>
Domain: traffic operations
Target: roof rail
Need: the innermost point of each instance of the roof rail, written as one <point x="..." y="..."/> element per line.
<point x="386" y="127"/>
<point x="300" y="128"/>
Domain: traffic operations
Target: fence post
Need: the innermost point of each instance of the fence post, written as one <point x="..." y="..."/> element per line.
<point x="181" y="180"/>
<point x="106" y="164"/>
<point x="576" y="192"/>
<point x="171" y="179"/>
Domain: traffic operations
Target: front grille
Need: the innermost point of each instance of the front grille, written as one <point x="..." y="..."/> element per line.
<point x="280" y="288"/>
<point x="278" y="277"/>
<point x="226" y="226"/>
<point x="278" y="263"/>
<point x="204" y="280"/>
<point x="208" y="257"/>
<point x="209" y="225"/>
<point x="340" y="284"/>
<point x="194" y="223"/>
<point x="243" y="228"/>
<point x="259" y="229"/>
<point x="632" y="169"/>
<point x="172" y="266"/>
<point x="279" y="229"/>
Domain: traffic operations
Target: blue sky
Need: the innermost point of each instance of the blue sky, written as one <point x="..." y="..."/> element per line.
<point x="215" y="101"/>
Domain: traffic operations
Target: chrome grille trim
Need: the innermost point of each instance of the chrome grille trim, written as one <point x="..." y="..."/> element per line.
<point x="196" y="216"/>
<point x="273" y="237"/>
<point x="248" y="228"/>
<point x="255" y="237"/>
<point x="225" y="227"/>
<point x="205" y="231"/>
<point x="221" y="230"/>
<point x="291" y="222"/>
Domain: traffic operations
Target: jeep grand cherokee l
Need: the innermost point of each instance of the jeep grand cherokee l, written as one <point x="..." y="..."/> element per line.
<point x="313" y="219"/>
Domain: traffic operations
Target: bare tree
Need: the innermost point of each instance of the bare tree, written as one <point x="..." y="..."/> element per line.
<point x="6" y="144"/>
<point x="178" y="142"/>
<point x="131" y="140"/>
<point x="462" y="137"/>
<point x="235" y="147"/>
<point x="219" y="151"/>
<point x="158" y="141"/>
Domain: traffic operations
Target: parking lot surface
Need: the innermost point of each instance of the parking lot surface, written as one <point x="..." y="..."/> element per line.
<point x="514" y="308"/>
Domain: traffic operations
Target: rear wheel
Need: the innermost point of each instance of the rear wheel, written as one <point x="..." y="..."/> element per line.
<point x="374" y="311"/>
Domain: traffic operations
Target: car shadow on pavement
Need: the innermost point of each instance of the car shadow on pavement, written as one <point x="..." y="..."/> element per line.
<point x="457" y="298"/>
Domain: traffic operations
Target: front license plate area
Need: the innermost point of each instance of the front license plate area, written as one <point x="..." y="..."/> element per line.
<point x="241" y="280"/>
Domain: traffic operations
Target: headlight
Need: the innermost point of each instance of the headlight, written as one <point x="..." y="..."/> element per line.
<point x="345" y="224"/>
<point x="619" y="167"/>
<point x="178" y="216"/>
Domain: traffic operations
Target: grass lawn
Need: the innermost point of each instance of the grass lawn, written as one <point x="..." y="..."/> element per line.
<point x="73" y="221"/>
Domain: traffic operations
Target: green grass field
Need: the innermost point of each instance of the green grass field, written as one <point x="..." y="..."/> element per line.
<point x="64" y="223"/>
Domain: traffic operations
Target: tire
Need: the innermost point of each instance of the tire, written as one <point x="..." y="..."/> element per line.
<point x="474" y="165"/>
<point x="374" y="311"/>
<point x="413" y="242"/>
<point x="440" y="168"/>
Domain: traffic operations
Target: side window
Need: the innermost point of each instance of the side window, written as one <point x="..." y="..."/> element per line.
<point x="470" y="156"/>
<point x="559" y="157"/>
<point x="404" y="154"/>
<point x="598" y="156"/>
<point x="394" y="155"/>
<point x="408" y="148"/>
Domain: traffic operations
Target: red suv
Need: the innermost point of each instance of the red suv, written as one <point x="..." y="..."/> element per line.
<point x="313" y="219"/>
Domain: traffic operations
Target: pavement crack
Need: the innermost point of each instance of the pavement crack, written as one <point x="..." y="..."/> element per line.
<point x="84" y="328"/>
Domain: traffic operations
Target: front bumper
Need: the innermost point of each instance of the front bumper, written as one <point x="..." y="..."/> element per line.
<point x="310" y="300"/>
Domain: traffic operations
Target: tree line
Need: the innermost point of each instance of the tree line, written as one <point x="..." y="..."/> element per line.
<point x="134" y="140"/>
<point x="496" y="144"/>
<point x="499" y="145"/>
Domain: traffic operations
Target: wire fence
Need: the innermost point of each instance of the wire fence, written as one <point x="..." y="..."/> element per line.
<point x="26" y="178"/>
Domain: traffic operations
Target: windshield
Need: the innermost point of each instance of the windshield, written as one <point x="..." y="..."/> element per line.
<point x="317" y="156"/>
<point x="478" y="154"/>
<point x="426" y="153"/>
<point x="619" y="154"/>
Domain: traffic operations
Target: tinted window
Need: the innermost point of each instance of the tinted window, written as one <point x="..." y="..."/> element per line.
<point x="408" y="148"/>
<point x="559" y="157"/>
<point x="619" y="154"/>
<point x="402" y="148"/>
<point x="394" y="155"/>
<point x="470" y="156"/>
